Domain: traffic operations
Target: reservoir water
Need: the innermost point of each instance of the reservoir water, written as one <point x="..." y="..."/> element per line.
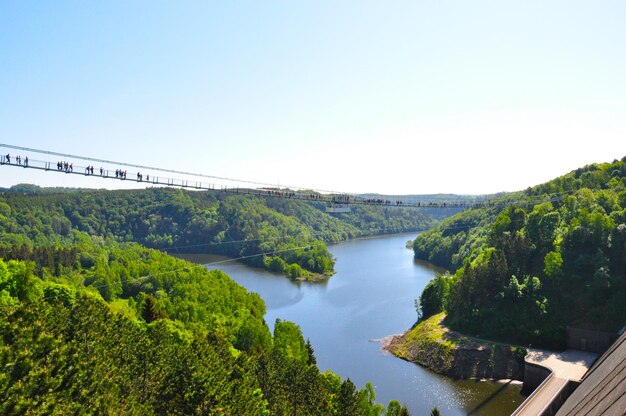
<point x="371" y="296"/>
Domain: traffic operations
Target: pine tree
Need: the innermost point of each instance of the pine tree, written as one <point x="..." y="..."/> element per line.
<point x="311" y="352"/>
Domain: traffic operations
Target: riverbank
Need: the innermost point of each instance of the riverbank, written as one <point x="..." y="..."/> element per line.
<point x="432" y="345"/>
<point x="210" y="259"/>
<point x="314" y="277"/>
<point x="371" y="295"/>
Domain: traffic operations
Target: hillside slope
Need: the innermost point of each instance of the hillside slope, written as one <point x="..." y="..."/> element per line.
<point x="91" y="325"/>
<point x="293" y="233"/>
<point x="548" y="257"/>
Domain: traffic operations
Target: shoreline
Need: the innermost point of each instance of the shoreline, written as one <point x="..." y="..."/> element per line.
<point x="386" y="342"/>
<point x="208" y="259"/>
<point x="432" y="345"/>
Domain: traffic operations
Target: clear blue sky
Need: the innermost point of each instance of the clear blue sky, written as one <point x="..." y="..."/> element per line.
<point x="358" y="96"/>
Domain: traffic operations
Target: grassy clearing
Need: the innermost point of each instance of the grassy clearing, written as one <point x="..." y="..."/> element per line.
<point x="428" y="344"/>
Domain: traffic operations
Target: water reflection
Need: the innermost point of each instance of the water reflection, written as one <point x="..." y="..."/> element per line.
<point x="428" y="266"/>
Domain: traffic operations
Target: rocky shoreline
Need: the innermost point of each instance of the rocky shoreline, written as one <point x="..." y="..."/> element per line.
<point x="432" y="345"/>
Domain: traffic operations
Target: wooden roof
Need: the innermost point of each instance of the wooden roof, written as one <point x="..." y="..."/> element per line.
<point x="603" y="389"/>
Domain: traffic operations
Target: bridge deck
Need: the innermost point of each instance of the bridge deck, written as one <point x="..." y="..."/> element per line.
<point x="152" y="179"/>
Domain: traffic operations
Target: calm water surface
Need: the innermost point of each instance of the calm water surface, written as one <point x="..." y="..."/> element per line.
<point x="371" y="296"/>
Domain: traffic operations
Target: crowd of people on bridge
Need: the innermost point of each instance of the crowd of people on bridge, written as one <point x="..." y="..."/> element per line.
<point x="335" y="199"/>
<point x="356" y="200"/>
<point x="89" y="170"/>
<point x="18" y="160"/>
<point x="66" y="166"/>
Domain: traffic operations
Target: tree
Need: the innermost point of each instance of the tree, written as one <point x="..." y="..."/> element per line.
<point x="434" y="296"/>
<point x="288" y="340"/>
<point x="393" y="408"/>
<point x="311" y="352"/>
<point x="346" y="400"/>
<point x="151" y="311"/>
<point x="418" y="308"/>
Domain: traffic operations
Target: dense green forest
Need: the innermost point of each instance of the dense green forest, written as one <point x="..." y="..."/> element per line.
<point x="92" y="323"/>
<point x="173" y="338"/>
<point x="294" y="232"/>
<point x="551" y="256"/>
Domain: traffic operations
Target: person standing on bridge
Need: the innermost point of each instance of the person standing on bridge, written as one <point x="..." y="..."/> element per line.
<point x="8" y="158"/>
<point x="26" y="162"/>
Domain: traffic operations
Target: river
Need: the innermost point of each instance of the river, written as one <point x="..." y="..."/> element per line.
<point x="371" y="296"/>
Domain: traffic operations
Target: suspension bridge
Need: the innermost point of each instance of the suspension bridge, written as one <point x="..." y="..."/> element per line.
<point x="108" y="170"/>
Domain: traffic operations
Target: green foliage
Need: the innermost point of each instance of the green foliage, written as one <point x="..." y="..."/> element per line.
<point x="84" y="360"/>
<point x="394" y="408"/>
<point x="288" y="340"/>
<point x="553" y="263"/>
<point x="70" y="352"/>
<point x="347" y="398"/>
<point x="151" y="311"/>
<point x="310" y="353"/>
<point x="93" y="324"/>
<point x="522" y="265"/>
<point x="40" y="224"/>
<point x="435" y="295"/>
<point x="360" y="221"/>
<point x="455" y="239"/>
<point x="276" y="264"/>
<point x="16" y="281"/>
<point x="55" y="293"/>
<point x="294" y="271"/>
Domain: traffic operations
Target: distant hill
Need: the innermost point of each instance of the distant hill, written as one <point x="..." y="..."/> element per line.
<point x="438" y="213"/>
<point x="27" y="188"/>
<point x="550" y="256"/>
<point x="292" y="233"/>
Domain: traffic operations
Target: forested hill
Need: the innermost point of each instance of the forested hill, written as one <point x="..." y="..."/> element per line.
<point x="91" y="323"/>
<point x="548" y="257"/>
<point x="208" y="222"/>
<point x="116" y="328"/>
